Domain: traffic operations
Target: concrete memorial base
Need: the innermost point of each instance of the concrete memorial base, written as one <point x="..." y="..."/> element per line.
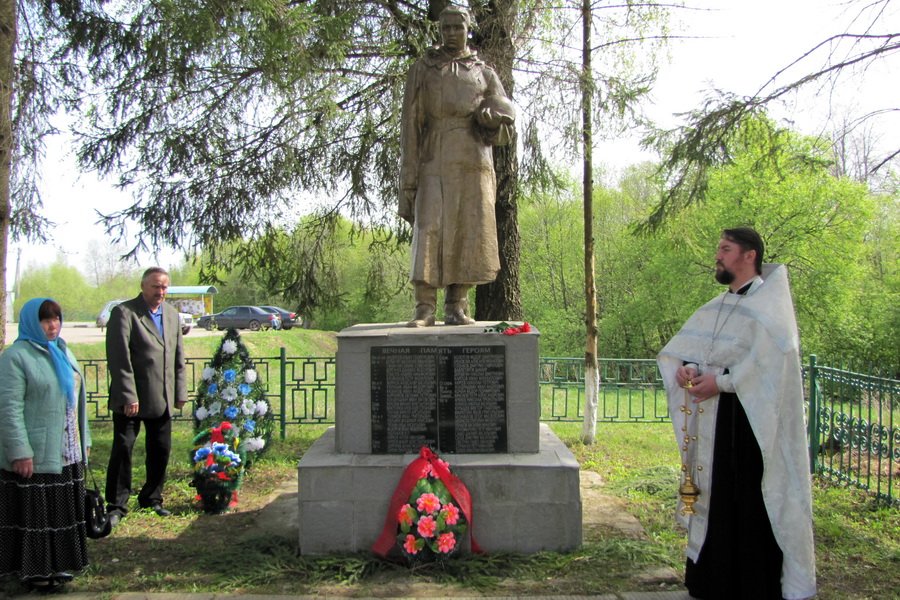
<point x="472" y="396"/>
<point x="525" y="502"/>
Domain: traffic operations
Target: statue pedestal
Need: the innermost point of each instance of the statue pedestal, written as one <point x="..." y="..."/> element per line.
<point x="475" y="398"/>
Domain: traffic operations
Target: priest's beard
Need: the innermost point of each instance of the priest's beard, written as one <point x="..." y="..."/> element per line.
<point x="724" y="276"/>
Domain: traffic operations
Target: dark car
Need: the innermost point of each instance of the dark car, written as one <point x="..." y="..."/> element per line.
<point x="288" y="318"/>
<point x="240" y="317"/>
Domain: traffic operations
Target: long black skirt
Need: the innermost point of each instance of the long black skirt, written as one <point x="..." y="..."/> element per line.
<point x="740" y="559"/>
<point x="42" y="530"/>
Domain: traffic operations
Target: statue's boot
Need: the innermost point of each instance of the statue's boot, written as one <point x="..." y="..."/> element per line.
<point x="426" y="301"/>
<point x="456" y="305"/>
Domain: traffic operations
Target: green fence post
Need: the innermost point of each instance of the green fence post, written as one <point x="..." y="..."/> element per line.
<point x="283" y="391"/>
<point x="813" y="424"/>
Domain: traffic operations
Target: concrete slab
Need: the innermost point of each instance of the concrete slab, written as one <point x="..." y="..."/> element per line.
<point x="523" y="502"/>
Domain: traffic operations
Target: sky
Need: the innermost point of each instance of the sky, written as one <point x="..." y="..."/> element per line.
<point x="736" y="46"/>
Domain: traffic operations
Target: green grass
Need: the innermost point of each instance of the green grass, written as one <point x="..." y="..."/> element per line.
<point x="858" y="542"/>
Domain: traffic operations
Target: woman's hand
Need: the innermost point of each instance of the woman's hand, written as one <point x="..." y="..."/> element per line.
<point x="24" y="467"/>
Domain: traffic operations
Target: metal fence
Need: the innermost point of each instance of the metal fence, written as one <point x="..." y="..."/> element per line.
<point x="300" y="389"/>
<point x="631" y="390"/>
<point x="854" y="429"/>
<point x="854" y="418"/>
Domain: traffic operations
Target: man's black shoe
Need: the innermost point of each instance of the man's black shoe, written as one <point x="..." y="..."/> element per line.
<point x="158" y="509"/>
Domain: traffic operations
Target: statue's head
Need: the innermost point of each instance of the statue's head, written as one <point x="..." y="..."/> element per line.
<point x="455" y="24"/>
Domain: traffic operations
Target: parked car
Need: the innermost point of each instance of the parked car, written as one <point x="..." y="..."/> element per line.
<point x="103" y="317"/>
<point x="288" y="318"/>
<point x="240" y="317"/>
<point x="187" y="320"/>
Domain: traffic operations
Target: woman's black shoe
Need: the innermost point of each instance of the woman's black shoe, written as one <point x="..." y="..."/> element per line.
<point x="41" y="584"/>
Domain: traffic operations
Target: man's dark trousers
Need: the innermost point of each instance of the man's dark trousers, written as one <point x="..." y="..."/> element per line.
<point x="158" y="446"/>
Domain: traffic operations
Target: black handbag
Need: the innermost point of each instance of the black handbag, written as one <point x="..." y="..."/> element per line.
<point x="96" y="522"/>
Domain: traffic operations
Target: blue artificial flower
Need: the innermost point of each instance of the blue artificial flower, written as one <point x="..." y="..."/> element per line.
<point x="220" y="448"/>
<point x="213" y="388"/>
<point x="201" y="454"/>
<point x="229" y="375"/>
<point x="249" y="425"/>
<point x="244" y="389"/>
<point x="231" y="412"/>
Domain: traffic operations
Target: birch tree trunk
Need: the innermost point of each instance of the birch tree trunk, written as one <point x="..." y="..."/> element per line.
<point x="591" y="373"/>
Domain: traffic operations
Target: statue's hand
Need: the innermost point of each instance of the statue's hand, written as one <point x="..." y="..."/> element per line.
<point x="488" y="118"/>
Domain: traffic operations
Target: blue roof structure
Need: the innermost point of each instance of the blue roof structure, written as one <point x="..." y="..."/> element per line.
<point x="191" y="290"/>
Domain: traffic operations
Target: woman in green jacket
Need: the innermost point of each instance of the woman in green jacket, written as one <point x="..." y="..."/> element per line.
<point x="42" y="528"/>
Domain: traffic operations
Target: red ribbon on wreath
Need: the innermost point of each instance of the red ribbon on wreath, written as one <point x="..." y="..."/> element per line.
<point x="408" y="480"/>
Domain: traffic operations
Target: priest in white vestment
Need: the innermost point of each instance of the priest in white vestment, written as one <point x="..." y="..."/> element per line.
<point x="734" y="385"/>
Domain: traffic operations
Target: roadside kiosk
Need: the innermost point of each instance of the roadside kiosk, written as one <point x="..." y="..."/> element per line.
<point x="196" y="300"/>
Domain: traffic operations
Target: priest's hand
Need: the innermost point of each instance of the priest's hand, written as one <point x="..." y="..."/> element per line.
<point x="704" y="387"/>
<point x="685" y="375"/>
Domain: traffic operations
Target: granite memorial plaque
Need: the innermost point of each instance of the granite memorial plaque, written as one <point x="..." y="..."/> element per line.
<point x="450" y="398"/>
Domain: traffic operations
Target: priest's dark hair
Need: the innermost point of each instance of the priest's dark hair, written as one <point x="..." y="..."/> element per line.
<point x="748" y="239"/>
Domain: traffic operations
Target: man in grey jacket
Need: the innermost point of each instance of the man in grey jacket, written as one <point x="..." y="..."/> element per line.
<point x="145" y="354"/>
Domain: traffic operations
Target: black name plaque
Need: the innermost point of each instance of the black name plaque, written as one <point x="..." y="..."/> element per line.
<point x="450" y="398"/>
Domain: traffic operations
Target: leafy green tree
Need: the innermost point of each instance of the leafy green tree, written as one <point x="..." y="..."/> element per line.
<point x="838" y="241"/>
<point x="814" y="223"/>
<point x="552" y="270"/>
<point x="880" y="292"/>
<point x="66" y="285"/>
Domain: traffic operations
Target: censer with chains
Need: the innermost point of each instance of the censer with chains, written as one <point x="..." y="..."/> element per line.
<point x="688" y="490"/>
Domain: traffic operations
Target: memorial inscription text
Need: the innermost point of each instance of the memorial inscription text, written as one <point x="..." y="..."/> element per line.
<point x="452" y="399"/>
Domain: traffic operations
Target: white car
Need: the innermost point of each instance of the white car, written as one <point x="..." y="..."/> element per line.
<point x="187" y="319"/>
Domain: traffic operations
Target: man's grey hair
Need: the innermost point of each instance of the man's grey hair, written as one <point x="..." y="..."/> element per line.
<point x="153" y="271"/>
